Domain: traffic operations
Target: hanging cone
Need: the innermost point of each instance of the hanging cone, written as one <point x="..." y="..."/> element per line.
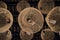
<point x="47" y="34"/>
<point x="6" y="20"/>
<point x="53" y="19"/>
<point x="45" y="6"/>
<point x="31" y="18"/>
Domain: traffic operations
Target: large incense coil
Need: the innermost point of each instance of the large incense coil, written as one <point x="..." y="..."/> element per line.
<point x="47" y="34"/>
<point x="6" y="35"/>
<point x="31" y="18"/>
<point x="45" y="6"/>
<point x="25" y="36"/>
<point x="6" y="20"/>
<point x="3" y="5"/>
<point x="22" y="5"/>
<point x="53" y="19"/>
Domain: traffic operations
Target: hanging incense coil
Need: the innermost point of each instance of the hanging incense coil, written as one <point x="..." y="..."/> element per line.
<point x="22" y="5"/>
<point x="53" y="19"/>
<point x="45" y="6"/>
<point x="25" y="36"/>
<point x="3" y="5"/>
<point x="6" y="20"/>
<point x="47" y="34"/>
<point x="31" y="18"/>
<point x="6" y="35"/>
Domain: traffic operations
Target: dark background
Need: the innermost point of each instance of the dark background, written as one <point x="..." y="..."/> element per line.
<point x="15" y="29"/>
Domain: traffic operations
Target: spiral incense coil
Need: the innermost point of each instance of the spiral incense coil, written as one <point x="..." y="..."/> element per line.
<point x="22" y="5"/>
<point x="6" y="20"/>
<point x="25" y="36"/>
<point x="6" y="35"/>
<point x="31" y="18"/>
<point x="47" y="34"/>
<point x="53" y="19"/>
<point x="45" y="6"/>
<point x="3" y="5"/>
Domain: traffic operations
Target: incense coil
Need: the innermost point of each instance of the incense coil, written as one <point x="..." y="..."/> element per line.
<point x="25" y="36"/>
<point x="6" y="35"/>
<point x="45" y="6"/>
<point x="53" y="19"/>
<point x="22" y="5"/>
<point x="47" y="34"/>
<point x="6" y="20"/>
<point x="3" y="5"/>
<point x="31" y="18"/>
